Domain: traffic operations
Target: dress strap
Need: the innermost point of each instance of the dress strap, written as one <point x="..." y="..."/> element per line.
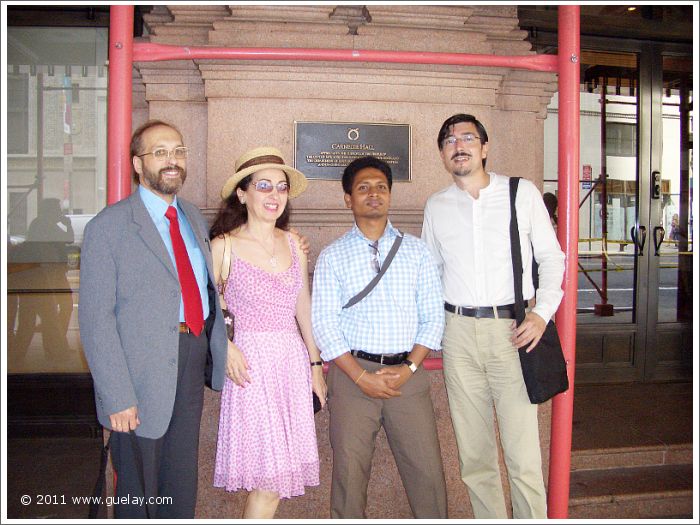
<point x="292" y="248"/>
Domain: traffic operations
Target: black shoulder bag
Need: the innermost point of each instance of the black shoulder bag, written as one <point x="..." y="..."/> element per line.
<point x="544" y="367"/>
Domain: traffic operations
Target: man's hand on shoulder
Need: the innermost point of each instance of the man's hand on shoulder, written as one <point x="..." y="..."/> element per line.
<point x="529" y="332"/>
<point x="125" y="420"/>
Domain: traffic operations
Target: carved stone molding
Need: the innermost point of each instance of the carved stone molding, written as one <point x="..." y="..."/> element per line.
<point x="483" y="29"/>
<point x="183" y="24"/>
<point x="138" y="91"/>
<point x="526" y="91"/>
<point x="440" y="18"/>
<point x="178" y="80"/>
<point x="353" y="15"/>
<point x="348" y="82"/>
<point x="280" y="26"/>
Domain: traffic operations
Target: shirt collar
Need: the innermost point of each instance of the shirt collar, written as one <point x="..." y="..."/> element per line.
<point x="155" y="205"/>
<point x="389" y="233"/>
<point x="493" y="181"/>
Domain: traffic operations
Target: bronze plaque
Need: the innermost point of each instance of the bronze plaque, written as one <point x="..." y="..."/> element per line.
<point x="323" y="149"/>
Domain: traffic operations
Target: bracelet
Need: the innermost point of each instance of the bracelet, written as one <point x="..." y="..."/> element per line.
<point x="360" y="376"/>
<point x="316" y="363"/>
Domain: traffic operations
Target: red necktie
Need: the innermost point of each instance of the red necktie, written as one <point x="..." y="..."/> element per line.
<point x="194" y="316"/>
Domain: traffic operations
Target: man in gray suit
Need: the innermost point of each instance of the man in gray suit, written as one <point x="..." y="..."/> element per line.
<point x="145" y="337"/>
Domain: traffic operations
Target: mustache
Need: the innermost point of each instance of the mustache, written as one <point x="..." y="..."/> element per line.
<point x="178" y="168"/>
<point x="458" y="153"/>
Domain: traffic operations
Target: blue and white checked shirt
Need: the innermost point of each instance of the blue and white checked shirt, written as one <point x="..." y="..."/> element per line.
<point x="405" y="308"/>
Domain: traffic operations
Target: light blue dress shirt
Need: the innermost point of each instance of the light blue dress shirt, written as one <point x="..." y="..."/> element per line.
<point x="156" y="209"/>
<point x="405" y="308"/>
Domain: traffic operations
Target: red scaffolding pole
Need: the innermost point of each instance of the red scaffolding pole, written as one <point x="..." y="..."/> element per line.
<point x="569" y="53"/>
<point x="145" y="52"/>
<point x="121" y="45"/>
<point x="123" y="51"/>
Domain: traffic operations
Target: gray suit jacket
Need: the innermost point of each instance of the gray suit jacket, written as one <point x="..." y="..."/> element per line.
<point x="129" y="313"/>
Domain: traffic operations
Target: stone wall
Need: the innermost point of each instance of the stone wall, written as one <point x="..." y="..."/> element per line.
<point x="227" y="107"/>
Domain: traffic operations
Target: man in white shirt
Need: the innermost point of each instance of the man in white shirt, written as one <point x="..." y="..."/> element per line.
<point x="466" y="226"/>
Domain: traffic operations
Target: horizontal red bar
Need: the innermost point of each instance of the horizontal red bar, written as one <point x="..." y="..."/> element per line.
<point x="145" y="52"/>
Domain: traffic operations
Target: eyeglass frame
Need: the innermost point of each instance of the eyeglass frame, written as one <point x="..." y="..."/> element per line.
<point x="169" y="153"/>
<point x="286" y="184"/>
<point x="461" y="138"/>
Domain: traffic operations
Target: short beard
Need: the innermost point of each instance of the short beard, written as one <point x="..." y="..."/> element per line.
<point x="461" y="172"/>
<point x="166" y="186"/>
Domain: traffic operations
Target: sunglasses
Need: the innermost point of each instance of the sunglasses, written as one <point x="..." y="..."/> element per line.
<point x="265" y="186"/>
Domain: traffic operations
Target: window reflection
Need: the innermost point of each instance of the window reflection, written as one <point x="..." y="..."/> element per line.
<point x="56" y="178"/>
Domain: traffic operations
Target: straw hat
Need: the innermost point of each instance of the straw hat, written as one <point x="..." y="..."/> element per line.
<point x="260" y="159"/>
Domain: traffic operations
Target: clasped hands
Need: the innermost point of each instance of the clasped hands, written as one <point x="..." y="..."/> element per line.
<point x="386" y="382"/>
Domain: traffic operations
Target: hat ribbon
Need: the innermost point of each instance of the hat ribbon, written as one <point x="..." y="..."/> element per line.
<point x="265" y="159"/>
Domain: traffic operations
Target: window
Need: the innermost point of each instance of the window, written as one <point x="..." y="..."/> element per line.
<point x="56" y="171"/>
<point x="621" y="139"/>
<point x="18" y="113"/>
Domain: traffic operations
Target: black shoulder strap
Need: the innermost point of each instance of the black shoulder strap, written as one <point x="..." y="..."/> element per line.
<point x="515" y="253"/>
<point x="377" y="278"/>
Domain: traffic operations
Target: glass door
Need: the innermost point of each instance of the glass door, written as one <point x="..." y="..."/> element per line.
<point x="634" y="299"/>
<point x="670" y="220"/>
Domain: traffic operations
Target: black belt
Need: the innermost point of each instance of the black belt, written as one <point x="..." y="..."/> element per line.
<point x="504" y="312"/>
<point x="383" y="359"/>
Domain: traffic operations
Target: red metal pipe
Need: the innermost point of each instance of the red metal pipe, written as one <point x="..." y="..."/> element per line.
<point x="121" y="38"/>
<point x="145" y="52"/>
<point x="567" y="232"/>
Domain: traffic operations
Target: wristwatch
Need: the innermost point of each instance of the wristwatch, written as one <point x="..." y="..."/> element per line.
<point x="411" y="365"/>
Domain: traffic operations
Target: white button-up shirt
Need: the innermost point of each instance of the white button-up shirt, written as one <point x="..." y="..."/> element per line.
<point x="470" y="239"/>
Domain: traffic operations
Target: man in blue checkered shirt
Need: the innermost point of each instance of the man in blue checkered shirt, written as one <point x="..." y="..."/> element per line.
<point x="376" y="347"/>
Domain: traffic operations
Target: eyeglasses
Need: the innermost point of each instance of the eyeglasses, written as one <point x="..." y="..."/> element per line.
<point x="265" y="186"/>
<point x="374" y="249"/>
<point x="164" y="154"/>
<point x="467" y="138"/>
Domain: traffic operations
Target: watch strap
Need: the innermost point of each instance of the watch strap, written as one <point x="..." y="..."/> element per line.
<point x="411" y="365"/>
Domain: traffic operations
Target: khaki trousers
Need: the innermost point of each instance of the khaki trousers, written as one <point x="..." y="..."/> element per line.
<point x="409" y="423"/>
<point x="482" y="370"/>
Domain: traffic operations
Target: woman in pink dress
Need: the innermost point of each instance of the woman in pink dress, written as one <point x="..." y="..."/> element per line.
<point x="267" y="436"/>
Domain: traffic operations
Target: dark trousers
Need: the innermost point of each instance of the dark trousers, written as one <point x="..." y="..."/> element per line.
<point x="170" y="465"/>
<point x="409" y="423"/>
